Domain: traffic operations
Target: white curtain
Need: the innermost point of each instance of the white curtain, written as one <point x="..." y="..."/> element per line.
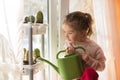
<point x="11" y="13"/>
<point x="108" y="35"/>
<point x="106" y="31"/>
<point x="102" y="35"/>
<point x="10" y="17"/>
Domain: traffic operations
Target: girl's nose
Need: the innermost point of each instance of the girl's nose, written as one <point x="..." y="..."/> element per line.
<point x="66" y="35"/>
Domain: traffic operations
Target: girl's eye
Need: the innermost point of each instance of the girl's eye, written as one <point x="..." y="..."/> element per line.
<point x="67" y="32"/>
<point x="70" y="33"/>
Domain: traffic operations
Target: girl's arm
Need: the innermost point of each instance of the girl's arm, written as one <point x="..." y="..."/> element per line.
<point x="97" y="61"/>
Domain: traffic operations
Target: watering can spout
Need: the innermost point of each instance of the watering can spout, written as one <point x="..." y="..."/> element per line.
<point x="50" y="63"/>
<point x="69" y="67"/>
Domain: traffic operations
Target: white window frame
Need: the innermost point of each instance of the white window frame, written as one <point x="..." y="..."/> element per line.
<point x="57" y="10"/>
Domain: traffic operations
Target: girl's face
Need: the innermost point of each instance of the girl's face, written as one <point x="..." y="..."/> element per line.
<point x="71" y="34"/>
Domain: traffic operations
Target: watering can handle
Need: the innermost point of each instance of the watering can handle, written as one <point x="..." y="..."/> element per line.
<point x="78" y="47"/>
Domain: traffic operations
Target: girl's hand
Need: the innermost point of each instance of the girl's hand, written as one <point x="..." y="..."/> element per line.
<point x="70" y="49"/>
<point x="85" y="56"/>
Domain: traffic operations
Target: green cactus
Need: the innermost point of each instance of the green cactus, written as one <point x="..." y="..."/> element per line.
<point x="32" y="18"/>
<point x="25" y="61"/>
<point x="39" y="17"/>
<point x="36" y="53"/>
<point x="26" y="20"/>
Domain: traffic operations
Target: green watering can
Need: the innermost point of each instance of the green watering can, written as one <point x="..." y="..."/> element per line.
<point x="69" y="67"/>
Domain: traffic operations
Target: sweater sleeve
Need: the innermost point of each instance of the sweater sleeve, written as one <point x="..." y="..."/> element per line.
<point x="97" y="61"/>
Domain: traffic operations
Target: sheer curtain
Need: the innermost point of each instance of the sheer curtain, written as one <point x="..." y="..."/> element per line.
<point x="10" y="12"/>
<point x="10" y="17"/>
<point x="106" y="14"/>
<point x="108" y="35"/>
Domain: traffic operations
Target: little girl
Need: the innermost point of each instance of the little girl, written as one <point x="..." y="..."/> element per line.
<point x="77" y="28"/>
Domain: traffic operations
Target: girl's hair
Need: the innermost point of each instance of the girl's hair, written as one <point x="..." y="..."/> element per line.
<point x="80" y="21"/>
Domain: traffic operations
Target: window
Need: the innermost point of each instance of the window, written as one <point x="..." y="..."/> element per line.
<point x="11" y="22"/>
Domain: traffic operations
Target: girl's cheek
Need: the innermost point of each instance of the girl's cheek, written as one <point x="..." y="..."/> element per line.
<point x="73" y="38"/>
